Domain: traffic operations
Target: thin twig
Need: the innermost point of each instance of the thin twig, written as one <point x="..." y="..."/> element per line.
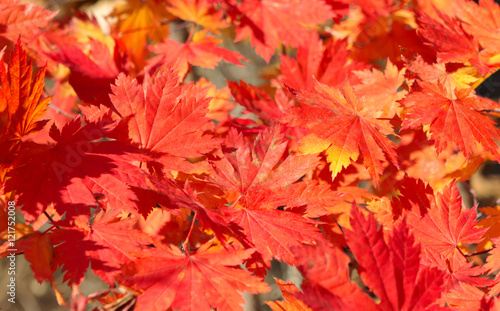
<point x="50" y="218"/>
<point x="478" y="253"/>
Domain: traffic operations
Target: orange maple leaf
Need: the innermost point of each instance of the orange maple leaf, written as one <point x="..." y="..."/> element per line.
<point x="291" y="303"/>
<point x="454" y="117"/>
<point x="21" y="101"/>
<point x="382" y="89"/>
<point x="201" y="12"/>
<point x="482" y="20"/>
<point x="139" y="21"/>
<point x="340" y="124"/>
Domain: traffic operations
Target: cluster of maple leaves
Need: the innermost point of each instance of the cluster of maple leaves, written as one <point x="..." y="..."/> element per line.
<point x="345" y="162"/>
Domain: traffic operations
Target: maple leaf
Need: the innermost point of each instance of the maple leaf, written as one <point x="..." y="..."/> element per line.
<point x="275" y="232"/>
<point x="158" y="118"/>
<point x="453" y="117"/>
<point x="464" y="77"/>
<point x="481" y="21"/>
<point x="105" y="242"/>
<point x="446" y="225"/>
<point x="340" y="124"/>
<point x="250" y="168"/>
<point x="326" y="282"/>
<point x="319" y="199"/>
<point x="258" y="101"/>
<point x="38" y="251"/>
<point x="450" y="40"/>
<point x="200" y="281"/>
<point x="329" y="64"/>
<point x="290" y="303"/>
<point x="459" y="272"/>
<point x="21" y="102"/>
<point x="23" y="21"/>
<point x="200" y="50"/>
<point x="201" y="12"/>
<point x="381" y="89"/>
<point x="71" y="171"/>
<point x="403" y="284"/>
<point x="271" y="22"/>
<point x="253" y="173"/>
<point x="90" y="76"/>
<point x="139" y="21"/>
<point x="368" y="244"/>
<point x="421" y="286"/>
<point x="118" y="239"/>
<point x="75" y="261"/>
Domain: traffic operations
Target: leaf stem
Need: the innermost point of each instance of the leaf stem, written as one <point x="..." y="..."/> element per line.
<point x="235" y="202"/>
<point x="186" y="242"/>
<point x="191" y="33"/>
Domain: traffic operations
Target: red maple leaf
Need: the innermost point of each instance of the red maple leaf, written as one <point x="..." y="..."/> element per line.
<point x="162" y="121"/>
<point x="38" y="251"/>
<point x="271" y="22"/>
<point x="259" y="102"/>
<point x="75" y="261"/>
<point x="451" y="41"/>
<point x="326" y="282"/>
<point x="275" y="232"/>
<point x="254" y="174"/>
<point x="329" y="64"/>
<point x="106" y="243"/>
<point x="116" y="240"/>
<point x="74" y="169"/>
<point x="205" y="279"/>
<point x="459" y="273"/>
<point x="392" y="270"/>
<point x="446" y="225"/>
<point x="250" y="168"/>
<point x="91" y="76"/>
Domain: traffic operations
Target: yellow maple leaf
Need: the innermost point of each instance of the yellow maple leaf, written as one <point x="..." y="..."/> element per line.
<point x="139" y="21"/>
